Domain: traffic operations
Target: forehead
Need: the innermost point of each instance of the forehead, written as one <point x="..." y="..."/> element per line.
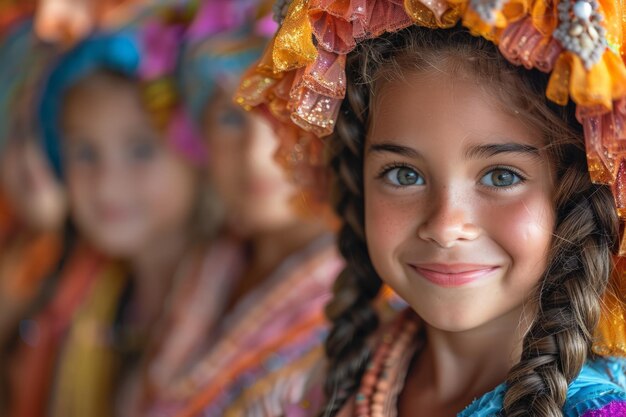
<point x="104" y="107"/>
<point x="449" y="111"/>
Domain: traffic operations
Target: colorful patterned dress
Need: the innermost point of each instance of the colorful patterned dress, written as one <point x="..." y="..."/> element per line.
<point x="258" y="357"/>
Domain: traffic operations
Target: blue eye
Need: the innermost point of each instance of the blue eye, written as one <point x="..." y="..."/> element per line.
<point x="404" y="176"/>
<point x="500" y="177"/>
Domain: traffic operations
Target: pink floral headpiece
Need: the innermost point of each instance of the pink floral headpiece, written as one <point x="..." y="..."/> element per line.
<point x="160" y="42"/>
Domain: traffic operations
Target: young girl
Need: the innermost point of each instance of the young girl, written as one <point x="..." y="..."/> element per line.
<point x="463" y="188"/>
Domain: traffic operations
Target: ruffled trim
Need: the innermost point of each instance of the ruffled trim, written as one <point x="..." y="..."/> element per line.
<point x="598" y="87"/>
<point x="523" y="44"/>
<point x="318" y="32"/>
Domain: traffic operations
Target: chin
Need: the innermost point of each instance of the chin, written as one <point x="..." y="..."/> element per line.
<point x="116" y="247"/>
<point x="449" y="318"/>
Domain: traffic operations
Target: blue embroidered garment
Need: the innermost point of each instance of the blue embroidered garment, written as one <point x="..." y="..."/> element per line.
<point x="601" y="382"/>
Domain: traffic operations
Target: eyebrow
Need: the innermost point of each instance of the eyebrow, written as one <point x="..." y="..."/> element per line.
<point x="393" y="148"/>
<point x="475" y="152"/>
<point x="489" y="150"/>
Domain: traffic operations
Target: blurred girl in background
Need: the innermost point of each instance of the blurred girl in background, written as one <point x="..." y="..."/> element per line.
<point x="134" y="184"/>
<point x="269" y="327"/>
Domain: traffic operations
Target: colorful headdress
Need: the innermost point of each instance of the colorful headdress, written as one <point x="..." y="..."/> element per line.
<point x="151" y="55"/>
<point x="225" y="38"/>
<point x="301" y="82"/>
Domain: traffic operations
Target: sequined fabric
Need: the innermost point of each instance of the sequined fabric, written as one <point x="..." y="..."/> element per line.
<point x="614" y="409"/>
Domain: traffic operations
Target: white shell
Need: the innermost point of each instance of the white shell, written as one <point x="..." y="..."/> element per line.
<point x="576" y="30"/>
<point x="585" y="42"/>
<point x="582" y="10"/>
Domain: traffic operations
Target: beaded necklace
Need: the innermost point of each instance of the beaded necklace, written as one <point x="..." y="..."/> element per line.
<point x="379" y="390"/>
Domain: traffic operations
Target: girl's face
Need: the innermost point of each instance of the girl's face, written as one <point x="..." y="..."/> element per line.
<point x="252" y="186"/>
<point x="127" y="189"/>
<point x="458" y="201"/>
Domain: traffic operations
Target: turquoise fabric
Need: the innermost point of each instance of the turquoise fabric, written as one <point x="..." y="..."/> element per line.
<point x="118" y="51"/>
<point x="600" y="382"/>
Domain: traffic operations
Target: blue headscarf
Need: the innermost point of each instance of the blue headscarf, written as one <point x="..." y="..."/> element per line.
<point x="119" y="52"/>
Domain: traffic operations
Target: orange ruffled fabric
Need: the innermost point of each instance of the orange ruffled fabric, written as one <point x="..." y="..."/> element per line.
<point x="320" y="31"/>
<point x="610" y="337"/>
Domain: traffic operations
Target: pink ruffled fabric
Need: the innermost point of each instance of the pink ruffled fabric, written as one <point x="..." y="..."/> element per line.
<point x="522" y="44"/>
<point x="605" y="139"/>
<point x="339" y="24"/>
<point x="325" y="76"/>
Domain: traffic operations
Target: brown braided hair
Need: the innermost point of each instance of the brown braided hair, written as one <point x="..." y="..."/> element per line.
<point x="568" y="296"/>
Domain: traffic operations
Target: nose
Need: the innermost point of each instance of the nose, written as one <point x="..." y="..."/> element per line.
<point x="111" y="179"/>
<point x="449" y="219"/>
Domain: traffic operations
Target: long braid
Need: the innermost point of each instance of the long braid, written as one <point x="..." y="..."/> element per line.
<point x="559" y="341"/>
<point x="351" y="310"/>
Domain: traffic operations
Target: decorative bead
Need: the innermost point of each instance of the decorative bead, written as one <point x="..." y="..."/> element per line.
<point x="582" y="10"/>
<point x="380" y="371"/>
<point x="576" y="30"/>
<point x="580" y="31"/>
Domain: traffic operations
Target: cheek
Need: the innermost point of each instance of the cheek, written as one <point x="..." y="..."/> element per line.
<point x="81" y="193"/>
<point x="523" y="228"/>
<point x="387" y="225"/>
<point x="225" y="170"/>
<point x="168" y="191"/>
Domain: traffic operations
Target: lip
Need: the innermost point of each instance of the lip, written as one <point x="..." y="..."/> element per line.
<point x="453" y="275"/>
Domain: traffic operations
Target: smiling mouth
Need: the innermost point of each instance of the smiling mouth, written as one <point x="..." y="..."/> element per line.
<point x="453" y="275"/>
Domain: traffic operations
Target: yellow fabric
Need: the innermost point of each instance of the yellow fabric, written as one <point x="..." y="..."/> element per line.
<point x="293" y="46"/>
<point x="88" y="364"/>
<point x="610" y="337"/>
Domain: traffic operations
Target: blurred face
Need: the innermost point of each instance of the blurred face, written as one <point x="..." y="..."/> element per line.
<point x="252" y="186"/>
<point x="31" y="187"/>
<point x="458" y="207"/>
<point x="127" y="189"/>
